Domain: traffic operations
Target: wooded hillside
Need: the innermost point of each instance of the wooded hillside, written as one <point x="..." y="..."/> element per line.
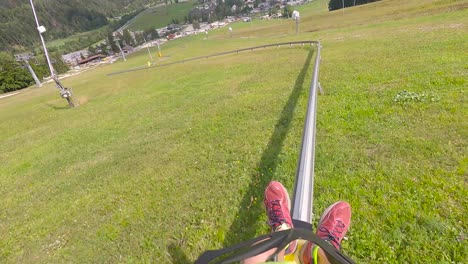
<point x="61" y="18"/>
<point x="338" y="4"/>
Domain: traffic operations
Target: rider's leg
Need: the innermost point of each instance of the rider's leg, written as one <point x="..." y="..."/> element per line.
<point x="332" y="227"/>
<point x="277" y="205"/>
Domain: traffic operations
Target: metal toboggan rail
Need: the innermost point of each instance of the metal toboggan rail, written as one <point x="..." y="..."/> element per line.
<point x="304" y="185"/>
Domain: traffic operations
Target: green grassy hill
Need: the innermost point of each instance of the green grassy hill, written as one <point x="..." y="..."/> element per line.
<point x="159" y="17"/>
<point x="161" y="164"/>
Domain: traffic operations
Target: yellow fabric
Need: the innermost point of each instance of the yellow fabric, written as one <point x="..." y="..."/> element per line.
<point x="282" y="262"/>
<point x="316" y="249"/>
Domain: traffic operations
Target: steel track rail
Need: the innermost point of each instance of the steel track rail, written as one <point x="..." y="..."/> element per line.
<point x="304" y="185"/>
<point x="302" y="207"/>
<point x="310" y="42"/>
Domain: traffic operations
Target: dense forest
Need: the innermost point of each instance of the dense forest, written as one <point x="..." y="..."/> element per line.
<point x="61" y="18"/>
<point x="338" y="4"/>
<point x="14" y="75"/>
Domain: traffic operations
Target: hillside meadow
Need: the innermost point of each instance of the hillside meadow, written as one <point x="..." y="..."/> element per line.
<point x="161" y="164"/>
<point x="158" y="17"/>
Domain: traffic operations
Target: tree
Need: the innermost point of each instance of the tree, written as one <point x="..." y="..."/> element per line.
<point x="120" y="37"/>
<point x="196" y="24"/>
<point x="287" y="11"/>
<point x="256" y="3"/>
<point x="148" y="34"/>
<point x="190" y="17"/>
<point x="338" y="4"/>
<point x="111" y="42"/>
<point x="59" y="65"/>
<point x="16" y="21"/>
<point x="274" y="11"/>
<point x="12" y="75"/>
<point x="127" y="38"/>
<point x="41" y="69"/>
<point x="211" y="18"/>
<point x="246" y="10"/>
<point x="151" y="34"/>
<point x="139" y="38"/>
<point x="223" y="9"/>
<point x="104" y="49"/>
<point x="91" y="50"/>
<point x="155" y="34"/>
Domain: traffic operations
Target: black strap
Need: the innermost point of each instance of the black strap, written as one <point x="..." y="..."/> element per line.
<point x="277" y="240"/>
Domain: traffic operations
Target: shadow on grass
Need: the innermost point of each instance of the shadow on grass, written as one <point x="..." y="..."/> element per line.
<point x="177" y="255"/>
<point x="58" y="107"/>
<point x="246" y="222"/>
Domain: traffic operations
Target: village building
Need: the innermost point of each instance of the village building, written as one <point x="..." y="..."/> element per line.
<point x="73" y="58"/>
<point x="92" y="59"/>
<point x="127" y="49"/>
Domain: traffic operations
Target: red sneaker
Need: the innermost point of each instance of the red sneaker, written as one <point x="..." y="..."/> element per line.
<point x="334" y="223"/>
<point x="332" y="227"/>
<point x="277" y="205"/>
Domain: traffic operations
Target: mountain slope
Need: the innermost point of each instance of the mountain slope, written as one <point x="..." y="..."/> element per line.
<point x="158" y="165"/>
<point x="60" y="17"/>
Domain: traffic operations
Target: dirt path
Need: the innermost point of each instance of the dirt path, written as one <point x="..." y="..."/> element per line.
<point x="8" y="95"/>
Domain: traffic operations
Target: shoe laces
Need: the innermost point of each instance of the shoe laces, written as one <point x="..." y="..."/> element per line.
<point x="333" y="236"/>
<point x="275" y="214"/>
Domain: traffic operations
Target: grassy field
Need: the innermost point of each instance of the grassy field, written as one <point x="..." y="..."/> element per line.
<point x="161" y="16"/>
<point x="75" y="37"/>
<point x="161" y="164"/>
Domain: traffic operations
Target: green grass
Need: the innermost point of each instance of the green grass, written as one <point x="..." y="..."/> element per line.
<point x="161" y="16"/>
<point x="75" y="37"/>
<point x="161" y="164"/>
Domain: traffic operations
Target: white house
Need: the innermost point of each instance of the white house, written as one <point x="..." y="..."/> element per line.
<point x="74" y="57"/>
